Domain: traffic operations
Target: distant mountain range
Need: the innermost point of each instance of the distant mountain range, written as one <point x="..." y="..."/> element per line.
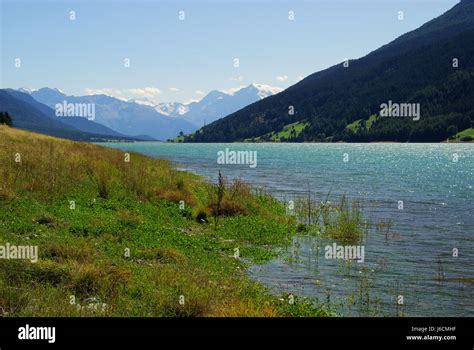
<point x="143" y="119"/>
<point x="431" y="68"/>
<point x="124" y="117"/>
<point x="27" y="113"/>
<point x="217" y="104"/>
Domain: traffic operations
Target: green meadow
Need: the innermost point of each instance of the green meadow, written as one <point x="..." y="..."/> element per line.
<point x="122" y="234"/>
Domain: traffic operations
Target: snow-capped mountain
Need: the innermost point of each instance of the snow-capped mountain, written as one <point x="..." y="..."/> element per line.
<point x="164" y="120"/>
<point x="172" y="109"/>
<point x="125" y="117"/>
<point x="26" y="90"/>
<point x="217" y="104"/>
<point x="261" y="90"/>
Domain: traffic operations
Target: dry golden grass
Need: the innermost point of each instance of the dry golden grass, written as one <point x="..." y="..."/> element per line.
<point x="62" y="252"/>
<point x="162" y="255"/>
<point x="94" y="279"/>
<point x="247" y="308"/>
<point x="53" y="166"/>
<point x="227" y="208"/>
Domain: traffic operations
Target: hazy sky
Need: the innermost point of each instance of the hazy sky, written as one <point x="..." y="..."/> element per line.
<point x="180" y="60"/>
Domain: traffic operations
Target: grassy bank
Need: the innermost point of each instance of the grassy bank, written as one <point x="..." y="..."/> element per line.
<point x="125" y="235"/>
<point x="465" y="135"/>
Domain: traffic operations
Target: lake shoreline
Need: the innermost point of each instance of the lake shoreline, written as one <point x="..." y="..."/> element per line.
<point x="432" y="182"/>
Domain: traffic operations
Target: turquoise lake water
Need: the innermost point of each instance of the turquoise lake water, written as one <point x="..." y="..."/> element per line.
<point x="435" y="183"/>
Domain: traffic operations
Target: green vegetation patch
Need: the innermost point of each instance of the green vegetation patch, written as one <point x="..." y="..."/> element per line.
<point x="465" y="135"/>
<point x="362" y="125"/>
<point x="289" y="132"/>
<point x="114" y="239"/>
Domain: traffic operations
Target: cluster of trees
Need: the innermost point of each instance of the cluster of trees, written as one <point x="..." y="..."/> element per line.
<point x="434" y="129"/>
<point x="5" y="119"/>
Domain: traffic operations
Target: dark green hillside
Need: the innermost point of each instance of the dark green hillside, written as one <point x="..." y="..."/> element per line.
<point x="26" y="113"/>
<point x="415" y="68"/>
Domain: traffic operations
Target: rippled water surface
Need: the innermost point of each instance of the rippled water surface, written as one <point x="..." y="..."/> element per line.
<point x="435" y="183"/>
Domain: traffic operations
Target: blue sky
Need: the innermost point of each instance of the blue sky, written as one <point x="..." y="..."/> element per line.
<point x="181" y="60"/>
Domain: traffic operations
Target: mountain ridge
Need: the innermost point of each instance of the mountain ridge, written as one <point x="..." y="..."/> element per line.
<point x="121" y="116"/>
<point x="145" y="117"/>
<point x="28" y="114"/>
<point x="415" y="67"/>
<point x="217" y="103"/>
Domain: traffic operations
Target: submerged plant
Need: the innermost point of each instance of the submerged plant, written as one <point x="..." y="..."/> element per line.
<point x="343" y="221"/>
